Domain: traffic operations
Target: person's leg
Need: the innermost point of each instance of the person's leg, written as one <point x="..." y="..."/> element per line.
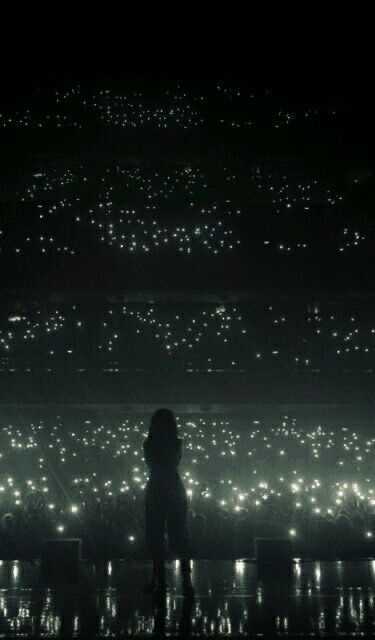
<point x="155" y="531"/>
<point x="187" y="585"/>
<point x="159" y="572"/>
<point x="179" y="541"/>
<point x="185" y="567"/>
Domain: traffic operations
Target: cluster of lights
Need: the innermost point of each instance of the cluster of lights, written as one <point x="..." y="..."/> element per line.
<point x="253" y="469"/>
<point x="93" y="209"/>
<point x="135" y="109"/>
<point x="163" y="108"/>
<point x="191" y="336"/>
<point x="184" y="211"/>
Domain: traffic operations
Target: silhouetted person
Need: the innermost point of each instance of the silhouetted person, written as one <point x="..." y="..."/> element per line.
<point x="165" y="500"/>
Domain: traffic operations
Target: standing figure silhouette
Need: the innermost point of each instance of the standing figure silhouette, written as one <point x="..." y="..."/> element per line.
<point x="166" y="501"/>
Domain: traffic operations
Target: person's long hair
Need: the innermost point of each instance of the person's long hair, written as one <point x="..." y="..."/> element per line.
<point x="163" y="426"/>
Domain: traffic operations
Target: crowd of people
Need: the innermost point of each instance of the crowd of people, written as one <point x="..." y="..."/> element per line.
<point x="251" y="212"/>
<point x="64" y="475"/>
<point x="124" y="190"/>
<point x="163" y="108"/>
<point x="187" y="336"/>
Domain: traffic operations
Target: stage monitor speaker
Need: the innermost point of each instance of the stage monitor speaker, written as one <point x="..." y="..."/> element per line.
<point x="273" y="552"/>
<point x="61" y="556"/>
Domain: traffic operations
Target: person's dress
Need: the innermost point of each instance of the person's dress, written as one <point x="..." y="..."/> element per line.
<point x="165" y="499"/>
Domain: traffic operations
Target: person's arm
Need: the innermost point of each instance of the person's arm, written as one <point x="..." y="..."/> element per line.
<point x="179" y="451"/>
<point x="146" y="451"/>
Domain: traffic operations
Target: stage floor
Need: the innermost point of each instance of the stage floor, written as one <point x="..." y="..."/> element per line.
<point x="323" y="599"/>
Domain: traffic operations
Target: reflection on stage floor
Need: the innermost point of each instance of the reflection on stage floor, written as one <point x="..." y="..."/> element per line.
<point x="232" y="598"/>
